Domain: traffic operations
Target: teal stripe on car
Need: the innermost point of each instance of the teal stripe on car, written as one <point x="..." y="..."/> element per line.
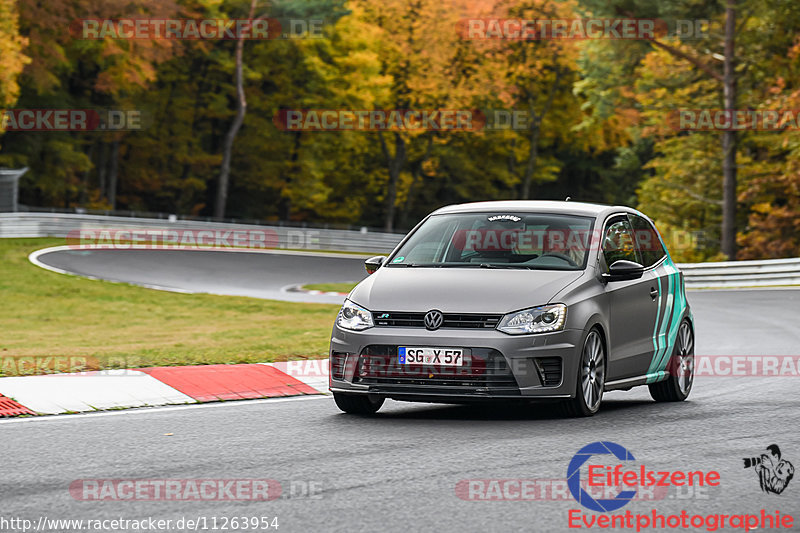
<point x="655" y="329"/>
<point x="677" y="313"/>
<point x="655" y="365"/>
<point x="658" y="369"/>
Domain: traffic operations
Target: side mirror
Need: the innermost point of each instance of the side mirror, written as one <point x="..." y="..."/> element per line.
<point x="623" y="270"/>
<point x="374" y="263"/>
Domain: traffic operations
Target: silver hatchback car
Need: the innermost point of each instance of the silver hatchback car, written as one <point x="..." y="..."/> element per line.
<point x="516" y="300"/>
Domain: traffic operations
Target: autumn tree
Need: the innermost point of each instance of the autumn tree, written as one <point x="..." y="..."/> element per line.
<point x="67" y="71"/>
<point x="12" y="58"/>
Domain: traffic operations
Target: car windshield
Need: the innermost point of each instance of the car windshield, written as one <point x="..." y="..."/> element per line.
<point x="498" y="240"/>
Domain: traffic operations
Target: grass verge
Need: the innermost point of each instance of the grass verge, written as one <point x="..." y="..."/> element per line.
<point x="331" y="287"/>
<point x="99" y="324"/>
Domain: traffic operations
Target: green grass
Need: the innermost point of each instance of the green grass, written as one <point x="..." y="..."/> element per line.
<point x="331" y="287"/>
<point x="97" y="324"/>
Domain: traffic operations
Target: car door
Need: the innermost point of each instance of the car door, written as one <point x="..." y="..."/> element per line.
<point x="633" y="304"/>
<point x="670" y="300"/>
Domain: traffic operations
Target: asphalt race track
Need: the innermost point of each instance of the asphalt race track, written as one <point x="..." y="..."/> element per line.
<point x="399" y="470"/>
<point x="246" y="273"/>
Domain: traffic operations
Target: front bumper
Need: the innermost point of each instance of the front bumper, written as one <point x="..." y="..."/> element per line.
<point x="498" y="366"/>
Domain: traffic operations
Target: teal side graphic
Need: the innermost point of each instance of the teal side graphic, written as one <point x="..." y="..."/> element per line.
<point x="667" y="334"/>
<point x="655" y="329"/>
<point x="661" y="334"/>
<point x="677" y="313"/>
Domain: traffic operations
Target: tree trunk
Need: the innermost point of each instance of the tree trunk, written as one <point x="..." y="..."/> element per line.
<point x="404" y="212"/>
<point x="241" y="108"/>
<point x="83" y="199"/>
<point x="102" y="169"/>
<point x="535" y="130"/>
<point x="533" y="154"/>
<point x="394" y="164"/>
<point x="729" y="137"/>
<point x="112" y="174"/>
<point x="417" y="175"/>
<point x="728" y="81"/>
<point x="285" y="201"/>
<point x="511" y="162"/>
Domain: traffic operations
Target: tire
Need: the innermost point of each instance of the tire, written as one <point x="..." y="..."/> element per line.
<point x="591" y="378"/>
<point x="357" y="404"/>
<point x="678" y="385"/>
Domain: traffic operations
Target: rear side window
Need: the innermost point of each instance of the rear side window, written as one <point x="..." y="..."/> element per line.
<point x="618" y="242"/>
<point x="647" y="241"/>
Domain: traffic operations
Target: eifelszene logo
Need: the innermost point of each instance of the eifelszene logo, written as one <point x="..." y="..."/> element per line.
<point x="774" y="473"/>
<point x="574" y="476"/>
<point x="625" y="476"/>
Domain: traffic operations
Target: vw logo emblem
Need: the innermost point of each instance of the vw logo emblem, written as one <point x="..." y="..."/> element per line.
<point x="433" y="320"/>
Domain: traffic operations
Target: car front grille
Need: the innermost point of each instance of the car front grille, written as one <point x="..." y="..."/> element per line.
<point x="451" y="320"/>
<point x="485" y="372"/>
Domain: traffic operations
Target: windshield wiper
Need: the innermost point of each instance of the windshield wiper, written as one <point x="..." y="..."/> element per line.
<point x="511" y="266"/>
<point x="411" y="265"/>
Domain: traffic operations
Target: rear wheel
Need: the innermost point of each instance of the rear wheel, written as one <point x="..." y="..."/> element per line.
<point x="357" y="404"/>
<point x="591" y="378"/>
<point x="678" y="385"/>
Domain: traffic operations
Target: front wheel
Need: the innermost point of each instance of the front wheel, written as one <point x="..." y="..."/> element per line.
<point x="678" y="385"/>
<point x="591" y="378"/>
<point x="357" y="404"/>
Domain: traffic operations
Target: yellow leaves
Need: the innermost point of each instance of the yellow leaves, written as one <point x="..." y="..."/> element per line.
<point x="761" y="208"/>
<point x="12" y="58"/>
<point x="125" y="65"/>
<point x="421" y="51"/>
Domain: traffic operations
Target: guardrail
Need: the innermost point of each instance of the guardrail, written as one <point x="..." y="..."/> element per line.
<point x="772" y="272"/>
<point x="60" y="225"/>
<point x="21" y="208"/>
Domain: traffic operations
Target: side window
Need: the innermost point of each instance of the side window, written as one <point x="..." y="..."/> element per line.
<point x="647" y="240"/>
<point x="618" y="242"/>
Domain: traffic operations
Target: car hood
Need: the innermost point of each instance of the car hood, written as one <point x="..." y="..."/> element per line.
<point x="459" y="290"/>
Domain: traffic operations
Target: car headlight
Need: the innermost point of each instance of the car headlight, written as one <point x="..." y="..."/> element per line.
<point x="354" y="317"/>
<point x="534" y="320"/>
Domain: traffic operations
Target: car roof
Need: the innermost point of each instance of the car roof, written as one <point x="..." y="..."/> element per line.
<point x="537" y="206"/>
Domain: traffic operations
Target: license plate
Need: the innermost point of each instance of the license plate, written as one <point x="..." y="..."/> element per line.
<point x="421" y="355"/>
